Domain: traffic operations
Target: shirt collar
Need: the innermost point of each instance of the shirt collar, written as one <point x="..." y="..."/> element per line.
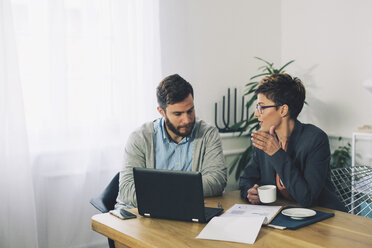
<point x="297" y="129"/>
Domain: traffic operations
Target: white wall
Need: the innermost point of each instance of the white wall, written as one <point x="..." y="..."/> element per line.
<point x="211" y="43"/>
<point x="332" y="44"/>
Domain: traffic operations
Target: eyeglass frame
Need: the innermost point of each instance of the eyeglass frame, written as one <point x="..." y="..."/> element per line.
<point x="261" y="108"/>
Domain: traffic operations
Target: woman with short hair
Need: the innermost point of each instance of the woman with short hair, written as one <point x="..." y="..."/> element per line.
<point x="289" y="154"/>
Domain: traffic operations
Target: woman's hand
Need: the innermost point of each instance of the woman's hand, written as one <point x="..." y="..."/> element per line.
<point x="252" y="196"/>
<point x="266" y="142"/>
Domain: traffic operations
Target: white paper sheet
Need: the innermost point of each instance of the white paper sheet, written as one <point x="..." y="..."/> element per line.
<point x="235" y="229"/>
<point x="248" y="210"/>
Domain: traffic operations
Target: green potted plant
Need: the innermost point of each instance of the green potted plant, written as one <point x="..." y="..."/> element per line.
<point x="251" y="123"/>
<point x="341" y="158"/>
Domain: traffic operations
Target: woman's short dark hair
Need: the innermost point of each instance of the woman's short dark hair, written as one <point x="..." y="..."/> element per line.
<point x="173" y="89"/>
<point x="283" y="89"/>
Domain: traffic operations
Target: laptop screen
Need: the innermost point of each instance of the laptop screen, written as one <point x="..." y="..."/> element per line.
<point x="169" y="194"/>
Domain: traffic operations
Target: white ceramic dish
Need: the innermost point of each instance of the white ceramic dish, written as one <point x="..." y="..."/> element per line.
<point x="298" y="213"/>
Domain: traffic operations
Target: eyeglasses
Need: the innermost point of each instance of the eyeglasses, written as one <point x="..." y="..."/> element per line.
<point x="261" y="108"/>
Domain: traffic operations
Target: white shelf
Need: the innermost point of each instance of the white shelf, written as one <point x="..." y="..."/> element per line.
<point x="361" y="149"/>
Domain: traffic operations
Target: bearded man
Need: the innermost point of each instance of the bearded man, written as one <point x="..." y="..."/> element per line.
<point x="176" y="141"/>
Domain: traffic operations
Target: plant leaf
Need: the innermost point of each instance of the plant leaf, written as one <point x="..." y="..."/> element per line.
<point x="251" y="83"/>
<point x="284" y="66"/>
<point x="243" y="161"/>
<point x="259" y="75"/>
<point x="250" y="102"/>
<point x="269" y="70"/>
<point x="251" y="90"/>
<point x="238" y="124"/>
<point x="250" y="122"/>
<point x="234" y="164"/>
<point x="254" y="128"/>
<point x="270" y="64"/>
<point x="252" y="116"/>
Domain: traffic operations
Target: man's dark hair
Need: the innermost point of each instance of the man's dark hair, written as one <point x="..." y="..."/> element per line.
<point x="283" y="89"/>
<point x="173" y="89"/>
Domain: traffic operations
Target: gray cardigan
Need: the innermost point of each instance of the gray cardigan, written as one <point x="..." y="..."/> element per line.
<point x="304" y="168"/>
<point x="207" y="158"/>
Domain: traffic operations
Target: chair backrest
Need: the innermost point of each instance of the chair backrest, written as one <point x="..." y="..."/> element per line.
<point x="107" y="199"/>
<point x="354" y="188"/>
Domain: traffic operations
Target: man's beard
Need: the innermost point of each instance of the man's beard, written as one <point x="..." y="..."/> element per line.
<point x="176" y="131"/>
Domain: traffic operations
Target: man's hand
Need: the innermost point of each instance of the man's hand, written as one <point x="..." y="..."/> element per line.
<point x="266" y="142"/>
<point x="252" y="196"/>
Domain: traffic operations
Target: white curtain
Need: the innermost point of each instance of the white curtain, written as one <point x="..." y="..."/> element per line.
<point x="88" y="70"/>
<point x="17" y="208"/>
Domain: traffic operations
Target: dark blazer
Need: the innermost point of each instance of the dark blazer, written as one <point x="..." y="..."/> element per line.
<point x="304" y="169"/>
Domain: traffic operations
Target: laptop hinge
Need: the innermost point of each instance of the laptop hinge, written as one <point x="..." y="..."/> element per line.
<point x="195" y="220"/>
<point x="147" y="215"/>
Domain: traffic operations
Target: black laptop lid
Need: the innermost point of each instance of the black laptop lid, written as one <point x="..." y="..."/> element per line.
<point x="169" y="194"/>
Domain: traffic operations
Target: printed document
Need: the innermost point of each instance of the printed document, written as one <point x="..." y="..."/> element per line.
<point x="248" y="210"/>
<point x="240" y="223"/>
<point x="234" y="229"/>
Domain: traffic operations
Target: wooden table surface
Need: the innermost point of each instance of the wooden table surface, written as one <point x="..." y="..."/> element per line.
<point x="342" y="230"/>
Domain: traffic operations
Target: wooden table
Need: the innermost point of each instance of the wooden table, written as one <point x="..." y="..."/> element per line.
<point x="342" y="230"/>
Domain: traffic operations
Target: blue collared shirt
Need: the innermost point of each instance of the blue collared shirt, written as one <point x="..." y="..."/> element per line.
<point x="170" y="155"/>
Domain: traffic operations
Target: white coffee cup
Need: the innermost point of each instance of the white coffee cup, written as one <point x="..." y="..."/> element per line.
<point x="267" y="193"/>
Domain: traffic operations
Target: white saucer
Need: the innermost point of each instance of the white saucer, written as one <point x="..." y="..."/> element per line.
<point x="298" y="213"/>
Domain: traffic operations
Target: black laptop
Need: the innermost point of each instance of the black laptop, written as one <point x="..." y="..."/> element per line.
<point x="170" y="194"/>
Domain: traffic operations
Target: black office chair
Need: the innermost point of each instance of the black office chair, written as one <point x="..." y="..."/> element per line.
<point x="107" y="200"/>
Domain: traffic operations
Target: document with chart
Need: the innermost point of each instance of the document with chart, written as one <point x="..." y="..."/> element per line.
<point x="240" y="223"/>
<point x="249" y="210"/>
